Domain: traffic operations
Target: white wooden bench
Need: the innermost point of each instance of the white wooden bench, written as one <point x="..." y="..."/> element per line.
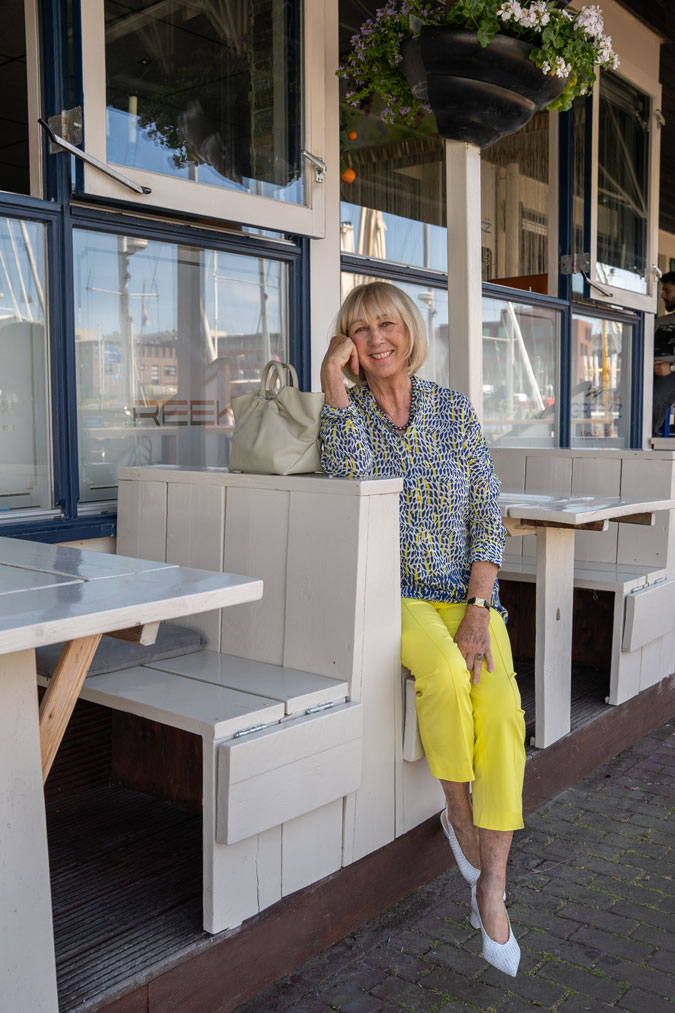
<point x="285" y="745"/>
<point x="646" y="653"/>
<point x="624" y="581"/>
<point x="288" y="803"/>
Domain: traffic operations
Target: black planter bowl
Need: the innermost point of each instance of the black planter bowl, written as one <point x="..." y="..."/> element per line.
<point x="477" y="94"/>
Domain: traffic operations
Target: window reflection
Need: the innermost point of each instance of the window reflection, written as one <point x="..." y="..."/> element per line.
<point x="623" y="175"/>
<point x="515" y="207"/>
<point x="209" y="92"/>
<point x="25" y="470"/>
<point x="166" y="335"/>
<point x="599" y="401"/>
<point x="394" y="207"/>
<point x="520" y="382"/>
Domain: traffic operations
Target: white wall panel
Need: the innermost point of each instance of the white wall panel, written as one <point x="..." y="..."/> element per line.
<point x="256" y="543"/>
<point x="311" y="847"/>
<point x="595" y="476"/>
<point x="324" y="584"/>
<point x="141" y="520"/>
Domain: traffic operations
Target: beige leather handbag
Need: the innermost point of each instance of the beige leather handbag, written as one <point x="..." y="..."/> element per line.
<point x="276" y="428"/>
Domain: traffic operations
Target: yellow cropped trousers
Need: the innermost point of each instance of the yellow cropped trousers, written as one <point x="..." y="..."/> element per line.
<point x="469" y="732"/>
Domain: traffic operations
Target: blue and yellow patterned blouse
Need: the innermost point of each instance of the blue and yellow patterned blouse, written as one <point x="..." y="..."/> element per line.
<point x="449" y="515"/>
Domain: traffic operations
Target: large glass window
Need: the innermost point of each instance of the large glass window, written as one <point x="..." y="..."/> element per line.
<point x="25" y="451"/>
<point x="600" y="401"/>
<point x="520" y="380"/>
<point x="515" y="207"/>
<point x="623" y="175"/>
<point x="393" y="206"/>
<point x="209" y="92"/>
<point x="166" y="335"/>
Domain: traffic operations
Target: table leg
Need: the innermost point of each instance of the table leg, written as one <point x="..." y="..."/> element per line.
<point x="62" y="693"/>
<point x="553" y="648"/>
<point x="27" y="967"/>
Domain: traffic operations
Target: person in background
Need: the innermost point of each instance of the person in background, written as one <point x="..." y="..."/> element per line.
<point x="664" y="356"/>
<point x="453" y="635"/>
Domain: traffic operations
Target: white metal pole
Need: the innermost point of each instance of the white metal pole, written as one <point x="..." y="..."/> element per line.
<point x="465" y="314"/>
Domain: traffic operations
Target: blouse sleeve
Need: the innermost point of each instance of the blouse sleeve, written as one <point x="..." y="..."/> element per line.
<point x="488" y="535"/>
<point x="345" y="448"/>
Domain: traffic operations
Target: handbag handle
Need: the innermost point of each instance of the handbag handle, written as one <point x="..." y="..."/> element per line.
<point x="279" y="378"/>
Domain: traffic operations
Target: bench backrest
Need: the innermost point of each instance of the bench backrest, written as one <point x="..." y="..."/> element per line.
<point x="326" y="549"/>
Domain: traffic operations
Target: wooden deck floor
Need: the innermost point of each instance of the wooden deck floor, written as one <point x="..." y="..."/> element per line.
<point x="126" y="868"/>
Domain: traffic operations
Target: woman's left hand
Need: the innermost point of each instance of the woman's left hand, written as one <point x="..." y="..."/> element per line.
<point x="473" y="640"/>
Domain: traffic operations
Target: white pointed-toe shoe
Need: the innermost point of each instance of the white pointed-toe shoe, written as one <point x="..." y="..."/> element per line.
<point x="468" y="871"/>
<point x="504" y="956"/>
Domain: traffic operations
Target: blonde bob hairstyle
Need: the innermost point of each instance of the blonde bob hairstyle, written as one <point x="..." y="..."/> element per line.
<point x="381" y="299"/>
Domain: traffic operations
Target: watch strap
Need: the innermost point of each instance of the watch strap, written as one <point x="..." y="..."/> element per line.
<point x="482" y="602"/>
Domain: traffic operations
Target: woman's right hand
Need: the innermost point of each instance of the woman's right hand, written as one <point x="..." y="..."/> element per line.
<point x="341" y="351"/>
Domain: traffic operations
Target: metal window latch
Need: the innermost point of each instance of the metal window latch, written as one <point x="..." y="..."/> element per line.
<point x="580" y="263"/>
<point x="660" y="118"/>
<point x="320" y="167"/>
<point x="575" y="263"/>
<point x="60" y="142"/>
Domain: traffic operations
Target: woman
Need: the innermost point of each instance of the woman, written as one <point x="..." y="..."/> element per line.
<point x="454" y="639"/>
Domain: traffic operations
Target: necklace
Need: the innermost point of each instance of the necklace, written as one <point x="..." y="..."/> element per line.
<point x="411" y="414"/>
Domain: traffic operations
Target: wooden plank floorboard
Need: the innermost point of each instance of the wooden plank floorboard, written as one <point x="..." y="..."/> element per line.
<point x="126" y="887"/>
<point x="590" y="686"/>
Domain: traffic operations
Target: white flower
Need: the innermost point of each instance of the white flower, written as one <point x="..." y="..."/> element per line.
<point x="561" y="68"/>
<point x="589" y="19"/>
<point x="546" y="67"/>
<point x="539" y="15"/>
<point x="510" y="9"/>
<point x="605" y="54"/>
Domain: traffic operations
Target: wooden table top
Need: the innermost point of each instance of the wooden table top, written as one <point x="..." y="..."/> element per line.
<point x="51" y="593"/>
<point x="576" y="510"/>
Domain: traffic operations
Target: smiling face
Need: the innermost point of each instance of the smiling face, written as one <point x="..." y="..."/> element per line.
<point x="383" y="345"/>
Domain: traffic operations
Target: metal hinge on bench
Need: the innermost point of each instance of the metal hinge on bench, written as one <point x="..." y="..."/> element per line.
<point x="320" y="707"/>
<point x="252" y="729"/>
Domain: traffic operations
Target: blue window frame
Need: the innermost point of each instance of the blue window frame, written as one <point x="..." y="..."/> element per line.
<point x="67" y="518"/>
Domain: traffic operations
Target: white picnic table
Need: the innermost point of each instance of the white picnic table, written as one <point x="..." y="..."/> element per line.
<point x="555" y="519"/>
<point x="50" y="594"/>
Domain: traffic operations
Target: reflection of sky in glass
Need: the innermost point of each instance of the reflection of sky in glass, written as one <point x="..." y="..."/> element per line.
<point x="405" y="239"/>
<point x="25" y="472"/>
<point x="600" y="356"/>
<point x="22" y="293"/>
<point x="631" y="281"/>
<point x="520" y="354"/>
<point x="131" y="145"/>
<point x="166" y="336"/>
<point x="231" y="287"/>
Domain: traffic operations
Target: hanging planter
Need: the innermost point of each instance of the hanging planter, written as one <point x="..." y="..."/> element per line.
<point x="482" y="66"/>
<point x="477" y="94"/>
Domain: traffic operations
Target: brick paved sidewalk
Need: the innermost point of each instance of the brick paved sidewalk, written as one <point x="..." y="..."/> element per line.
<point x="592" y="901"/>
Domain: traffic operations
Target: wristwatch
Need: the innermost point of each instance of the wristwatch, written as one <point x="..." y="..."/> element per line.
<point x="671" y="367"/>
<point x="479" y="601"/>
